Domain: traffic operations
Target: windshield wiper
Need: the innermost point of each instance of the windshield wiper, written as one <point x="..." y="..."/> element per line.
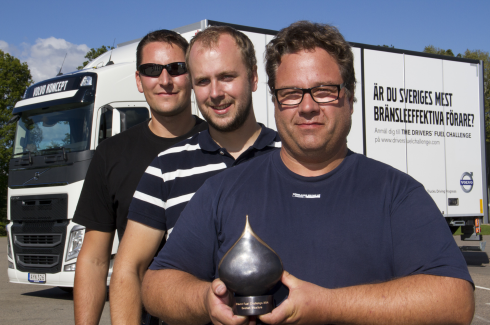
<point x="57" y="148"/>
<point x="23" y="153"/>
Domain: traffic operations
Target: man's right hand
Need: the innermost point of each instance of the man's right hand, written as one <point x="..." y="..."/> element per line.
<point x="218" y="302"/>
<point x="181" y="298"/>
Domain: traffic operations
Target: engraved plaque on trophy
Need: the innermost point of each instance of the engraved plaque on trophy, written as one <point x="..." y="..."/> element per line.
<point x="251" y="269"/>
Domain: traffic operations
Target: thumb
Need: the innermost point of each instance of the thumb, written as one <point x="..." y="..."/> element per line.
<point x="219" y="288"/>
<point x="289" y="280"/>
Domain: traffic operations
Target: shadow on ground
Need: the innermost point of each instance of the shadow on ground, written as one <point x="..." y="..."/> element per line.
<point x="53" y="293"/>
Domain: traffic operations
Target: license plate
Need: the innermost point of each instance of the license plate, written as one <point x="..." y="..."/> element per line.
<point x="36" y="278"/>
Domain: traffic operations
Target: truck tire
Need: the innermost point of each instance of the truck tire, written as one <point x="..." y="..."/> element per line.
<point x="453" y="229"/>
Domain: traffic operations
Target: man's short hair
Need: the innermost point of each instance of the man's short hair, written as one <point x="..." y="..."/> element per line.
<point x="209" y="38"/>
<point x="162" y="35"/>
<point x="305" y="35"/>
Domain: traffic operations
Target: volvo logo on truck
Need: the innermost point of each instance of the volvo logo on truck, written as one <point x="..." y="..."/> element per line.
<point x="37" y="175"/>
<point x="466" y="182"/>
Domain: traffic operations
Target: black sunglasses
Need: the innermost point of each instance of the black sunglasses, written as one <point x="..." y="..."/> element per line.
<point x="155" y="70"/>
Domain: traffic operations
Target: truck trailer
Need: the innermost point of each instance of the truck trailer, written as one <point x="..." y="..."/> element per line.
<point x="424" y="115"/>
<point x="421" y="113"/>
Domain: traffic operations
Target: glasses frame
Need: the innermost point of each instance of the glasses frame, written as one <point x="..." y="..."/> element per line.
<point x="141" y="67"/>
<point x="308" y="91"/>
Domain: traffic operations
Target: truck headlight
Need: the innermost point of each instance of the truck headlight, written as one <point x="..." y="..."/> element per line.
<point x="70" y="267"/>
<point x="9" y="248"/>
<point x="75" y="242"/>
<point x="86" y="81"/>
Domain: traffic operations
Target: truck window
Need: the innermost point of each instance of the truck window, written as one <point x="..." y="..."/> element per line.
<point x="66" y="126"/>
<point x="130" y="116"/>
<point x="105" y="125"/>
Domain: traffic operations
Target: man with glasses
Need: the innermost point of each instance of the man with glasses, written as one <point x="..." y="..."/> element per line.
<point x="120" y="161"/>
<point x="223" y="69"/>
<point x="360" y="242"/>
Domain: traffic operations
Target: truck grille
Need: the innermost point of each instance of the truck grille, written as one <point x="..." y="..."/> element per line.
<point x="38" y="245"/>
<point x="37" y="260"/>
<point x="38" y="240"/>
<point x="39" y="207"/>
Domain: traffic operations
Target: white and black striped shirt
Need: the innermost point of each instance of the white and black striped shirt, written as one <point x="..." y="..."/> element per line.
<point x="178" y="172"/>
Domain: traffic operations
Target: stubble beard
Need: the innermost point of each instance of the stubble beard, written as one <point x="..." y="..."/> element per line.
<point x="302" y="152"/>
<point x="241" y="115"/>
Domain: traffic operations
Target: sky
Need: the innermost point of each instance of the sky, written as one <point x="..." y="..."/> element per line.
<point x="42" y="32"/>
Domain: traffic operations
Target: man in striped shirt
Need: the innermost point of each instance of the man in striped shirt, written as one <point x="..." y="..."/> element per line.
<point x="223" y="69"/>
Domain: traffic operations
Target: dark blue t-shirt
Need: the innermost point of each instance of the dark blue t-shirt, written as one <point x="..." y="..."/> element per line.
<point x="364" y="222"/>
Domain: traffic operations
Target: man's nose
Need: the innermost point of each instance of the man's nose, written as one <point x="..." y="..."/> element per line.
<point x="216" y="90"/>
<point x="308" y="105"/>
<point x="165" y="78"/>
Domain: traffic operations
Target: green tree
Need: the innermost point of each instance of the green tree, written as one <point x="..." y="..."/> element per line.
<point x="485" y="57"/>
<point x="15" y="77"/>
<point x="94" y="53"/>
<point x="435" y="50"/>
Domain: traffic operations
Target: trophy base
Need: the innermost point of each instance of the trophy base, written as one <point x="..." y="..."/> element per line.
<point x="253" y="305"/>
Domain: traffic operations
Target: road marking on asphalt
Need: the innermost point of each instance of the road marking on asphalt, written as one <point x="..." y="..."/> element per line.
<point x="482" y="288"/>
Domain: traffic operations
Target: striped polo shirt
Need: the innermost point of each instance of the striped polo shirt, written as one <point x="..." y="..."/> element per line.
<point x="178" y="172"/>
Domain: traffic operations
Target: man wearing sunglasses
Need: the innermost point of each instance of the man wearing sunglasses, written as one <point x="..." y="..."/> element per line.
<point x="223" y="69"/>
<point x="120" y="161"/>
<point x="360" y="242"/>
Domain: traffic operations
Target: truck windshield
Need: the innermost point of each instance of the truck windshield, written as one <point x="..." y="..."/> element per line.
<point x="64" y="126"/>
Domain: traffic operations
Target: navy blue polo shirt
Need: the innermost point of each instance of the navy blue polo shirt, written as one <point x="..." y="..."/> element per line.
<point x="178" y="172"/>
<point x="363" y="222"/>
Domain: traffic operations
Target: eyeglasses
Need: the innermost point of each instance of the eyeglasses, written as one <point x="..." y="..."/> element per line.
<point x="320" y="94"/>
<point x="155" y="70"/>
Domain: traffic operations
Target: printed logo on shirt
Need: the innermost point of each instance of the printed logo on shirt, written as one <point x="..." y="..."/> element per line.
<point x="306" y="196"/>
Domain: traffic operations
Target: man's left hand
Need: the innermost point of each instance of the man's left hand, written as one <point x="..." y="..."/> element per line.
<point x="303" y="305"/>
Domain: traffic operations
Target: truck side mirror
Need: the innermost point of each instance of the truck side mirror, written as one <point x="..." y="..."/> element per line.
<point x="14" y="119"/>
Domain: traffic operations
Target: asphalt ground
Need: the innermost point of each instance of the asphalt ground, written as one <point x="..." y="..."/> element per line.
<point x="40" y="304"/>
<point x="480" y="273"/>
<point x="35" y="304"/>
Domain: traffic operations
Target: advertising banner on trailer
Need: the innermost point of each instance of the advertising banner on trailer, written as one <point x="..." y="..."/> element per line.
<point x="422" y="114"/>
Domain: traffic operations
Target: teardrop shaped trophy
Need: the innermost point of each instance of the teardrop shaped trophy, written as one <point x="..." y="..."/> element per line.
<point x="251" y="269"/>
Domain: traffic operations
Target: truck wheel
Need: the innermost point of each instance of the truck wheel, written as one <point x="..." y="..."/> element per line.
<point x="453" y="229"/>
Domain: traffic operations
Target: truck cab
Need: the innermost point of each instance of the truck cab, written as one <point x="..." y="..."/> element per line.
<point x="60" y="122"/>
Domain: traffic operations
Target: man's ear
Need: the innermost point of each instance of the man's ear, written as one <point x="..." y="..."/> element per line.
<point x="138" y="81"/>
<point x="254" y="79"/>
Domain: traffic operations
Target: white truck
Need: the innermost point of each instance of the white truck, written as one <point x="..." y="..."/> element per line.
<point x="417" y="112"/>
